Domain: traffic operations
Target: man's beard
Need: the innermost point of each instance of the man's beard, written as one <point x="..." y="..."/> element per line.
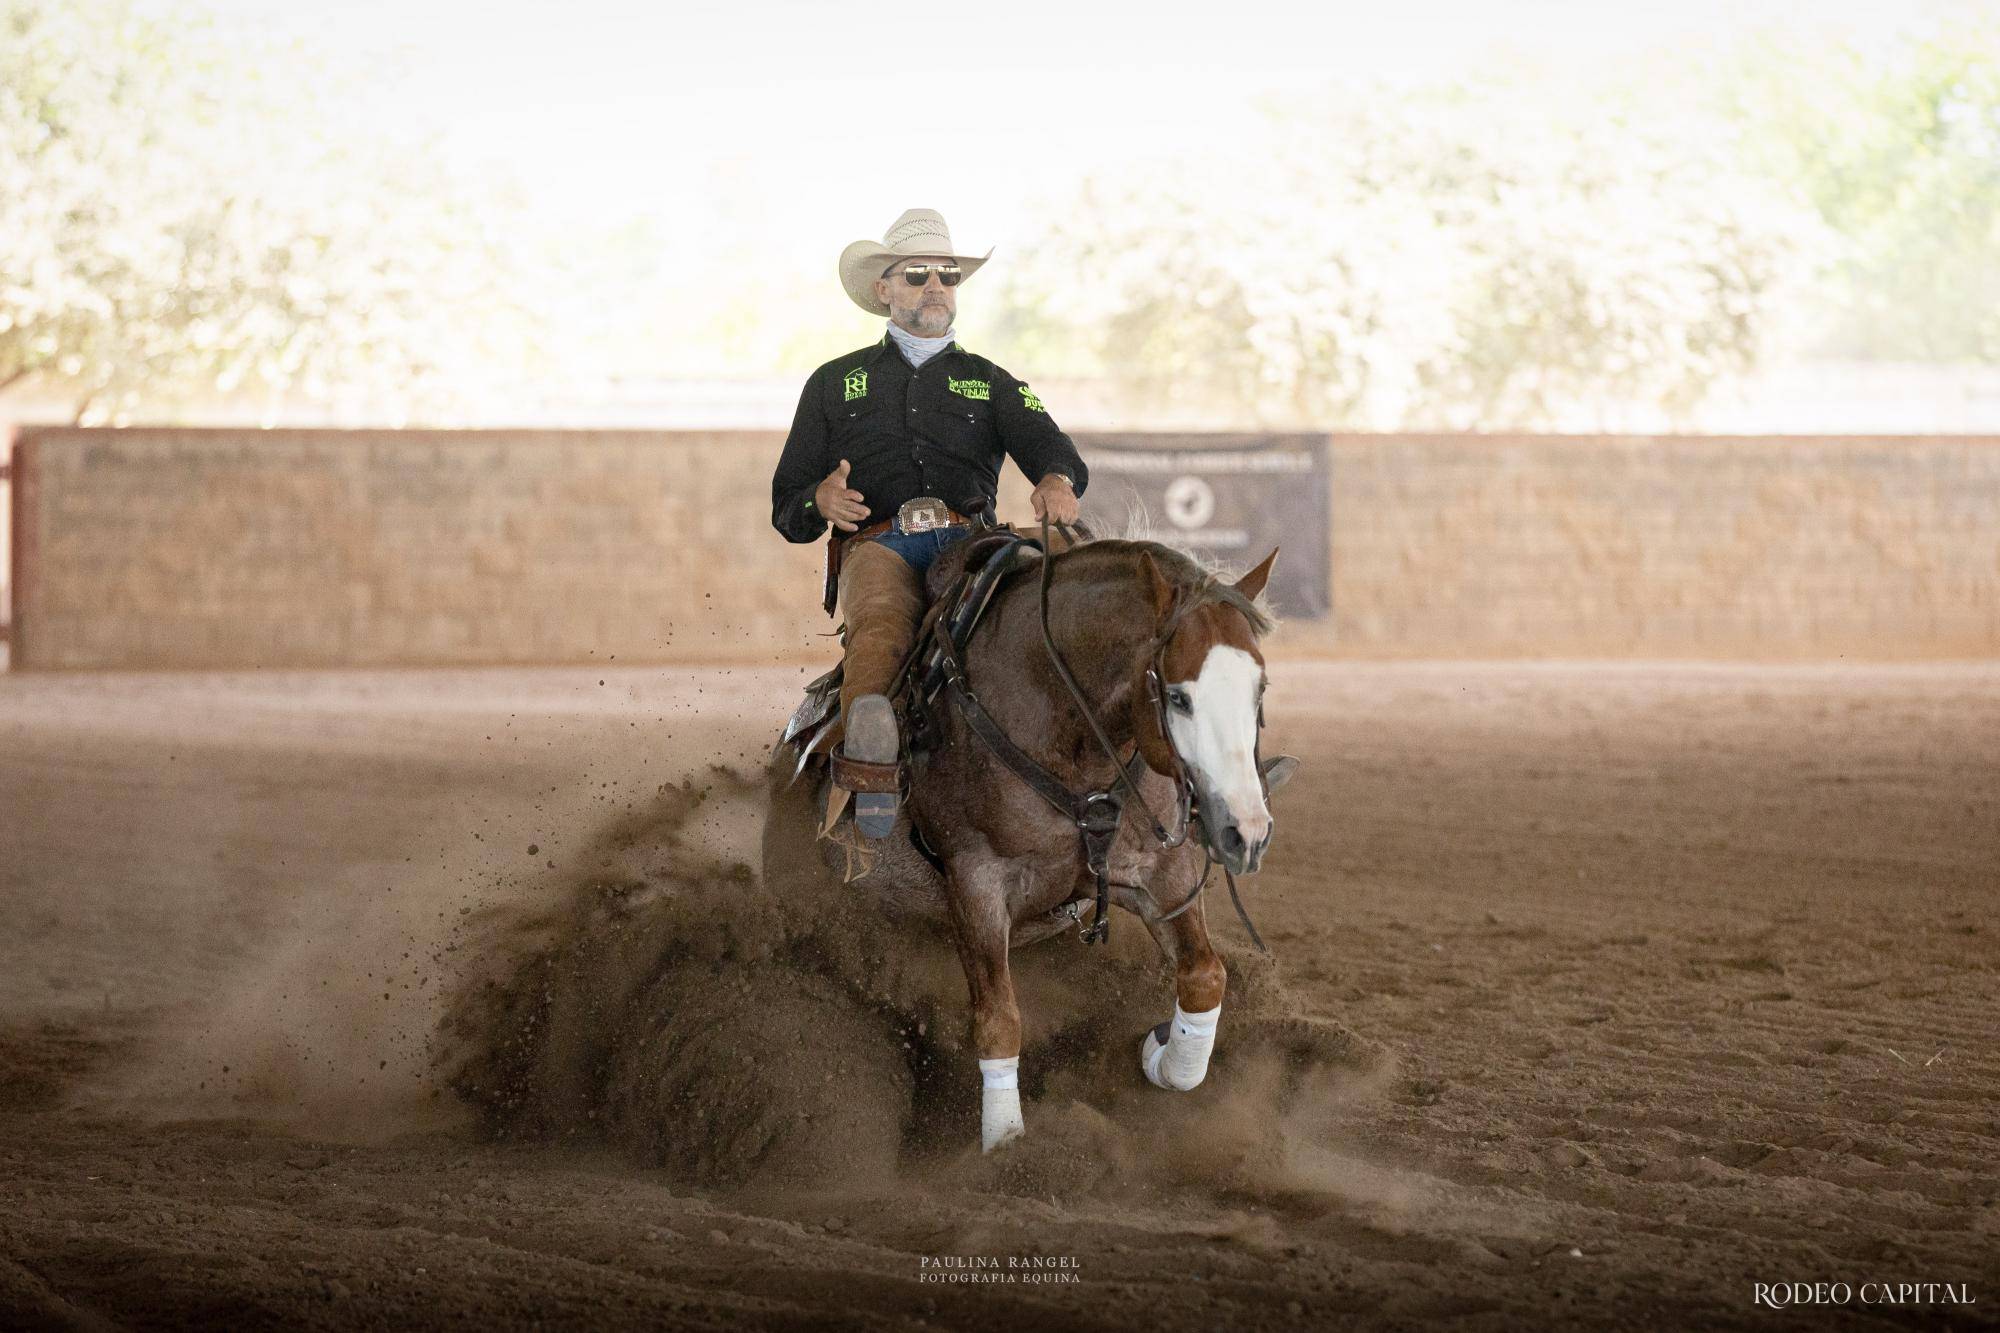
<point x="928" y="321"/>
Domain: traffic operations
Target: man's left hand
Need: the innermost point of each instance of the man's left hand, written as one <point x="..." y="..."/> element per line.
<point x="1054" y="499"/>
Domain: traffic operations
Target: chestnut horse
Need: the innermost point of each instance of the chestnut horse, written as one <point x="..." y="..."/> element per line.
<point x="1164" y="668"/>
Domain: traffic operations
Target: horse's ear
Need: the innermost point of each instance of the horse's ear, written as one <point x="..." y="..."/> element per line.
<point x="1253" y="583"/>
<point x="1156" y="581"/>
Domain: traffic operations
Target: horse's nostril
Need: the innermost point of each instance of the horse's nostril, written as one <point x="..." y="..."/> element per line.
<point x="1232" y="839"/>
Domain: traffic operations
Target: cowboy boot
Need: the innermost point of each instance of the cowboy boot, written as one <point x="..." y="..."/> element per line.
<point x="872" y="739"/>
<point x="882" y="601"/>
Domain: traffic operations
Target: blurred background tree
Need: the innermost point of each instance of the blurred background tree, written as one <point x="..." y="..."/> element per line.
<point x="182" y="220"/>
<point x="193" y="214"/>
<point x="1900" y="160"/>
<point x="1508" y="255"/>
<point x="1443" y="262"/>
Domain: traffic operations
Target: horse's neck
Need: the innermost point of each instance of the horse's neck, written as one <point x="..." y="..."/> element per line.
<point x="1096" y="629"/>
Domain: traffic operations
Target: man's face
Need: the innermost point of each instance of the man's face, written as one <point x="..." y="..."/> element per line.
<point x="927" y="311"/>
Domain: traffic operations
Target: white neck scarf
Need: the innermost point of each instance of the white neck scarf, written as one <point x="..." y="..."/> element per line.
<point x="918" y="350"/>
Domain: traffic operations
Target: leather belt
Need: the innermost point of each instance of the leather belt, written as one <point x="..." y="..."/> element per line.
<point x="923" y="514"/>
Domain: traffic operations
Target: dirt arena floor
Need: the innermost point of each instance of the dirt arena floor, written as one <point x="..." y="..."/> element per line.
<point x="1600" y="995"/>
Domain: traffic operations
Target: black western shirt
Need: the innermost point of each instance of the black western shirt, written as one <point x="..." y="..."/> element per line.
<point x="940" y="430"/>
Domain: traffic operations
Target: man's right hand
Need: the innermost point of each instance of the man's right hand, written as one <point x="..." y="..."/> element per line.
<point x="843" y="508"/>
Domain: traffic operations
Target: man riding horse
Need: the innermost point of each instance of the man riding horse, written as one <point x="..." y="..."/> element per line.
<point x="1083" y="739"/>
<point x="895" y="445"/>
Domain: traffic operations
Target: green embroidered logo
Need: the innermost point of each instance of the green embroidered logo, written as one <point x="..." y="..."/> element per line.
<point x="1033" y="403"/>
<point x="857" y="385"/>
<point x="978" y="389"/>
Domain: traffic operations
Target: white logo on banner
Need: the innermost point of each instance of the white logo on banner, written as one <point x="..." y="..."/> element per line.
<point x="1190" y="502"/>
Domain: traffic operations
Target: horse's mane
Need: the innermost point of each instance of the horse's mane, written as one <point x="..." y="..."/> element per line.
<point x="1207" y="584"/>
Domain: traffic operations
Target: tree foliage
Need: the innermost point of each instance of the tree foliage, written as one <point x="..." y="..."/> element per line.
<point x="1900" y="160"/>
<point x="187" y="216"/>
<point x="1508" y="255"/>
<point x="1440" y="263"/>
<point x="180" y="216"/>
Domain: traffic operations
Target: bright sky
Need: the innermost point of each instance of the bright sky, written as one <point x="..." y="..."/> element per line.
<point x="800" y="126"/>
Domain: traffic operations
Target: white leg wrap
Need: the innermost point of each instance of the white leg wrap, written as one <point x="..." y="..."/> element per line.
<point x="1181" y="1061"/>
<point x="1000" y="1102"/>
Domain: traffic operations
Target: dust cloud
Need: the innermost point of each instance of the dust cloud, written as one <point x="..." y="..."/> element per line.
<point x="757" y="1024"/>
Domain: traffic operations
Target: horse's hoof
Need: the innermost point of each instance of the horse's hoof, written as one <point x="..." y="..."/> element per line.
<point x="1151" y="1047"/>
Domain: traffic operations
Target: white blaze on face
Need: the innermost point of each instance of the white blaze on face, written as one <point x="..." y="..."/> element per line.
<point x="1218" y="738"/>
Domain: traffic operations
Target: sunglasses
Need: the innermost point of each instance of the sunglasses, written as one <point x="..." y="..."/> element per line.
<point x="919" y="274"/>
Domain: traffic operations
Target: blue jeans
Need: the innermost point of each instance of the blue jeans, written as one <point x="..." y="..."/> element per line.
<point x="919" y="549"/>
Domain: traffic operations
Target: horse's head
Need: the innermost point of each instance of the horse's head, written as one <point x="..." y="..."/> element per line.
<point x="1201" y="705"/>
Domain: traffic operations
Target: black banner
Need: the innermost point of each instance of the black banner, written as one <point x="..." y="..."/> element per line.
<point x="1227" y="498"/>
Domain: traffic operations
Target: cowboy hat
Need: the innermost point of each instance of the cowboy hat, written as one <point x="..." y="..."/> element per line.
<point x="920" y="231"/>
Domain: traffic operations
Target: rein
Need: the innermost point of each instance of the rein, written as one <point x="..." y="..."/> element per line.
<point x="1083" y="704"/>
<point x="1097" y="814"/>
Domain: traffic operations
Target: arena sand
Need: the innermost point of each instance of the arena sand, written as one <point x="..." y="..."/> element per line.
<point x="1600" y="995"/>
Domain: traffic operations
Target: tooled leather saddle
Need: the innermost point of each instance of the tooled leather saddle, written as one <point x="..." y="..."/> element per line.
<point x="960" y="585"/>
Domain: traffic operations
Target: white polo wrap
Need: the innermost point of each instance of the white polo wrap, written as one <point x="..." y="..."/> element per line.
<point x="999" y="1102"/>
<point x="1181" y="1062"/>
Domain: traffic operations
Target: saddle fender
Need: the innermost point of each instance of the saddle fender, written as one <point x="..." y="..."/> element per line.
<point x="959" y="602"/>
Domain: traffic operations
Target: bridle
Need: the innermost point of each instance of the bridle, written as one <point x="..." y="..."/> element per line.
<point x="1098" y="814"/>
<point x="1156" y="692"/>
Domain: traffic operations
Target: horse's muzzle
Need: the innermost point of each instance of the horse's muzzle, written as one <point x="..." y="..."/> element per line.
<point x="1239" y="855"/>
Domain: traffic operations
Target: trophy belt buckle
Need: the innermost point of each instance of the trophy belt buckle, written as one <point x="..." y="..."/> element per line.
<point x="923" y="514"/>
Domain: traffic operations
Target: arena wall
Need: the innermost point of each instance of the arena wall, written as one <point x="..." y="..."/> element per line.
<point x="1702" y="547"/>
<point x="236" y="548"/>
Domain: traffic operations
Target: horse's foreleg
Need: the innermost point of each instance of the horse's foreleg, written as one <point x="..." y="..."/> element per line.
<point x="1175" y="1054"/>
<point x="981" y="924"/>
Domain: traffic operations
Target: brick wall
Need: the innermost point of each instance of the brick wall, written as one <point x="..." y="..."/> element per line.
<point x="202" y="548"/>
<point x="225" y="548"/>
<point x="1665" y="547"/>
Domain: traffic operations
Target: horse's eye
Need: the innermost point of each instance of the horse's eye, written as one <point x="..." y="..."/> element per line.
<point x="1179" y="699"/>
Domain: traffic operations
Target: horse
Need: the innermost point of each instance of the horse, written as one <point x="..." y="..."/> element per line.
<point x="1094" y="741"/>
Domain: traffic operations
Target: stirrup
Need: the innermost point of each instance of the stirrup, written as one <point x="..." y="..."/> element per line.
<point x="866" y="764"/>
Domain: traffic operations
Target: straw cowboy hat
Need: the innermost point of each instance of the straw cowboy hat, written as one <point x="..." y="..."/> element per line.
<point x="920" y="231"/>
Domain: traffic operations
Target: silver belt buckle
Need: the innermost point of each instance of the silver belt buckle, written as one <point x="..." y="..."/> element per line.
<point x="923" y="514"/>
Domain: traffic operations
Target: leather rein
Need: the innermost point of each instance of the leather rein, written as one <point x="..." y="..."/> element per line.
<point x="1098" y="813"/>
